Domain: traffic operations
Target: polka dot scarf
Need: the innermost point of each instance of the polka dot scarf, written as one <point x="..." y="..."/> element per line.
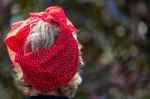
<point x="50" y="68"/>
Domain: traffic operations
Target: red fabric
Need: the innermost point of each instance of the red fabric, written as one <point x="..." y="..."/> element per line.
<point x="46" y="69"/>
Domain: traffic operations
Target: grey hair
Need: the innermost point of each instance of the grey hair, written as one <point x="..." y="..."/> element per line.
<point x="44" y="35"/>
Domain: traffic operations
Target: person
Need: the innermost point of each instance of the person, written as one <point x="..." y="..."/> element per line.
<point x="46" y="55"/>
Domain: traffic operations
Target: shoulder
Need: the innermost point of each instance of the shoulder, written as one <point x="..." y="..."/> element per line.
<point x="47" y="97"/>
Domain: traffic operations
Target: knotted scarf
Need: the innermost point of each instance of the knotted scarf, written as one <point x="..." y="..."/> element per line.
<point x="50" y="68"/>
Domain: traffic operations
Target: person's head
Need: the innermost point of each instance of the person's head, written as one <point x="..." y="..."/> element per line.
<point x="46" y="55"/>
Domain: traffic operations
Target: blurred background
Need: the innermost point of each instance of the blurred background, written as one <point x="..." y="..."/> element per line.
<point x="115" y="35"/>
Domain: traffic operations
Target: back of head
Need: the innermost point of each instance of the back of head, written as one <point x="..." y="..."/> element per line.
<point x="43" y="45"/>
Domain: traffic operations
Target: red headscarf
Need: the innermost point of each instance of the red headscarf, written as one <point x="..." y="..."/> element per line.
<point x="50" y="68"/>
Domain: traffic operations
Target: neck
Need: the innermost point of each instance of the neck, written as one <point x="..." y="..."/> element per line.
<point x="36" y="93"/>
